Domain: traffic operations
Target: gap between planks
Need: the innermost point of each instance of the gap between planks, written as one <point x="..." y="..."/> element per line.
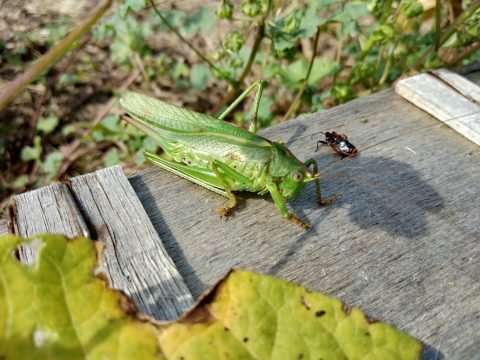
<point x="134" y="257"/>
<point x="449" y="97"/>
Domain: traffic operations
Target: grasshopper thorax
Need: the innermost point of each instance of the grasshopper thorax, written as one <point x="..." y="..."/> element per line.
<point x="289" y="173"/>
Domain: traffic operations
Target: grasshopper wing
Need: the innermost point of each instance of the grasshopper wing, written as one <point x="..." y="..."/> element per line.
<point x="175" y="127"/>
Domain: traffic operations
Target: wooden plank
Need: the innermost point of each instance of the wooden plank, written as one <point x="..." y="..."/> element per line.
<point x="449" y="97"/>
<point x="49" y="210"/>
<point x="3" y="227"/>
<point x="135" y="257"/>
<point x="401" y="242"/>
<point x="460" y="83"/>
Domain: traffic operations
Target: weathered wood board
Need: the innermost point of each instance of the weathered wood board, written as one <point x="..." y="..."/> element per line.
<point x="103" y="205"/>
<point x="449" y="97"/>
<point x="3" y="227"/>
<point x="402" y="242"/>
<point x="136" y="259"/>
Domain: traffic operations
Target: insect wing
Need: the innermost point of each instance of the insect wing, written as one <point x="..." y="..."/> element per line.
<point x="195" y="131"/>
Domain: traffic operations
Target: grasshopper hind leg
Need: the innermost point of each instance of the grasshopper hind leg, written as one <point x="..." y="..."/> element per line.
<point x="226" y="211"/>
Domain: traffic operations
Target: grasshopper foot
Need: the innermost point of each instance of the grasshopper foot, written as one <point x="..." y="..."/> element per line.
<point x="297" y="221"/>
<point x="328" y="201"/>
<point x="226" y="211"/>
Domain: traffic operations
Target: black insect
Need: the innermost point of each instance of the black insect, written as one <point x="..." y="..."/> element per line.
<point x="338" y="142"/>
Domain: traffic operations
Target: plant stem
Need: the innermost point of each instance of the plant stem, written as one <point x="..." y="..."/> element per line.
<point x="14" y="88"/>
<point x="452" y="28"/>
<point x="235" y="87"/>
<point x="465" y="52"/>
<point x="438" y="16"/>
<point x="182" y="38"/>
<point x="298" y="99"/>
<point x="388" y="66"/>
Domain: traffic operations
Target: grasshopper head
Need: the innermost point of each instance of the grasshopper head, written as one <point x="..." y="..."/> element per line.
<point x="291" y="174"/>
<point x="296" y="180"/>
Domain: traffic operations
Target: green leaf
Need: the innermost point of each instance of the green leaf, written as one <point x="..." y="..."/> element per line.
<point x="67" y="78"/>
<point x="149" y="144"/>
<point x="352" y="11"/>
<point x="256" y="316"/>
<point x="199" y="76"/>
<point x="20" y="182"/>
<point x="139" y="158"/>
<point x="324" y="4"/>
<point x="112" y="157"/>
<point x="179" y="69"/>
<point x="71" y="314"/>
<point x="52" y="163"/>
<point x="200" y="21"/>
<point x="32" y="152"/>
<point x="175" y="17"/>
<point x="411" y="8"/>
<point x="295" y="72"/>
<point x="111" y="123"/>
<point x="56" y="309"/>
<point x="281" y="39"/>
<point x="310" y="21"/>
<point x="47" y="124"/>
<point x="135" y="5"/>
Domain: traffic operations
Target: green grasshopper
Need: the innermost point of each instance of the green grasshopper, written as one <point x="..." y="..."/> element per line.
<point x="220" y="156"/>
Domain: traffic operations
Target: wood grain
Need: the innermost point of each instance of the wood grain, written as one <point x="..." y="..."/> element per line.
<point x="106" y="208"/>
<point x="402" y="242"/>
<point x="460" y="83"/>
<point x="3" y="227"/>
<point x="49" y="210"/>
<point x="135" y="257"/>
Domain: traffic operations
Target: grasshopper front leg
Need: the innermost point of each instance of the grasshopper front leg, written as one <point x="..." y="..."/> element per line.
<point x="320" y="200"/>
<point x="278" y="200"/>
<point x="225" y="211"/>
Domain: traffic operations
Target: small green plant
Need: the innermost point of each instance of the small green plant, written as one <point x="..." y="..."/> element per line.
<point x="375" y="42"/>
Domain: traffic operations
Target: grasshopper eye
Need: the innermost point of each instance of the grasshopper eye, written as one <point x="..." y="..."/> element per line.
<point x="298" y="177"/>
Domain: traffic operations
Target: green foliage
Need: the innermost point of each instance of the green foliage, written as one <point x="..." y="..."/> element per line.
<point x="234" y="42"/>
<point x="199" y="76"/>
<point x="70" y="313"/>
<point x="225" y="10"/>
<point x="382" y="39"/>
<point x="32" y="152"/>
<point x="47" y="124"/>
<point x="364" y="46"/>
<point x="52" y="163"/>
<point x="251" y="8"/>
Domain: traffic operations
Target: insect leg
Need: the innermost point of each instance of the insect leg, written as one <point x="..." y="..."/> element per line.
<point x="253" y="121"/>
<point x="260" y="84"/>
<point x="320" y="200"/>
<point x="278" y="200"/>
<point x="225" y="211"/>
<point x="201" y="176"/>
<point x="320" y="142"/>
